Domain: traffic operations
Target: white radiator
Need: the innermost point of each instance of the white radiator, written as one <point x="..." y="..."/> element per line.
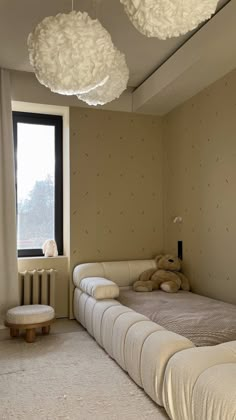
<point x="37" y="286"/>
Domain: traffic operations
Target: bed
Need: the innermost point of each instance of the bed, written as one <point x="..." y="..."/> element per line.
<point x="176" y="359"/>
<point x="204" y="321"/>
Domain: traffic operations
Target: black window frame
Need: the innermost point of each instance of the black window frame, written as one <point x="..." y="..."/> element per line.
<point x="57" y="122"/>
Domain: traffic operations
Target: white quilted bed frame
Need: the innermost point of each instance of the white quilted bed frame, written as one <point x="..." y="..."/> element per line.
<point x="191" y="383"/>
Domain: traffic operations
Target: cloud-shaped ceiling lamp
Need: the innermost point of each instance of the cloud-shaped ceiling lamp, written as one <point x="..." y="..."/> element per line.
<point x="71" y="53"/>
<point x="114" y="86"/>
<point x="168" y="18"/>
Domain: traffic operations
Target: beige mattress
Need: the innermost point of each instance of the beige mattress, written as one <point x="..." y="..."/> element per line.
<point x="205" y="321"/>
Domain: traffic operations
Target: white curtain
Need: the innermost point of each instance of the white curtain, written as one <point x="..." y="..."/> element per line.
<point x="9" y="292"/>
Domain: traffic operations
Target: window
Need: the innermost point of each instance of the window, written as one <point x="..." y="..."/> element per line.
<point x="38" y="165"/>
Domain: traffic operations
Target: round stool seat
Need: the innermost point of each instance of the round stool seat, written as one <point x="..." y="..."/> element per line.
<point x="30" y="314"/>
<point x="29" y="317"/>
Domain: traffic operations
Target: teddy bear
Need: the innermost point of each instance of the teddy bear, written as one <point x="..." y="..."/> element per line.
<point x="50" y="248"/>
<point x="166" y="276"/>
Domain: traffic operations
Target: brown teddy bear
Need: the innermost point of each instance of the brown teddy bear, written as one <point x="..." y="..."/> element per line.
<point x="166" y="276"/>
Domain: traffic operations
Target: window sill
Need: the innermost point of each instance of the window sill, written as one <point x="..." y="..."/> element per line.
<point x="42" y="258"/>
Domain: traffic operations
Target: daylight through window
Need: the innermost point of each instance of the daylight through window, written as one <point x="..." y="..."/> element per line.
<point x="38" y="157"/>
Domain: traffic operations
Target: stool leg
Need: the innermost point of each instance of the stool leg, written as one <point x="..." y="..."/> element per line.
<point x="46" y="330"/>
<point x="30" y="335"/>
<point x="14" y="332"/>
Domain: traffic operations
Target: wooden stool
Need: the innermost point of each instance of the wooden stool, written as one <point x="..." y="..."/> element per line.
<point x="30" y="317"/>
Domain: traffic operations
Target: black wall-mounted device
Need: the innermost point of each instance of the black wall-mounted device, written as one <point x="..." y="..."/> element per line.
<point x="180" y="250"/>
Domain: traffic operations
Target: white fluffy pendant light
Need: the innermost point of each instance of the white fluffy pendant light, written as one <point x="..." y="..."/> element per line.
<point x="71" y="53"/>
<point x="114" y="86"/>
<point x="168" y="18"/>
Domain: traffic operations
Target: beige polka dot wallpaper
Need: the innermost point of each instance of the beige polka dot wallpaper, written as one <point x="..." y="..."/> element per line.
<point x="116" y="186"/>
<point x="200" y="185"/>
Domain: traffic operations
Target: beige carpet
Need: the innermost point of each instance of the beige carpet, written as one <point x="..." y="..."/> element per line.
<point x="67" y="376"/>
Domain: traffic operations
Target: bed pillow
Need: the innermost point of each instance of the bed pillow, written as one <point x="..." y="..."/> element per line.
<point x="99" y="288"/>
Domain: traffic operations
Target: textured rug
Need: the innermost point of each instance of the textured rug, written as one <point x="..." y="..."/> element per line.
<point x="67" y="376"/>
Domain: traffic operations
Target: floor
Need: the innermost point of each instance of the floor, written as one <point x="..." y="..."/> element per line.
<point x="66" y="375"/>
<point x="64" y="325"/>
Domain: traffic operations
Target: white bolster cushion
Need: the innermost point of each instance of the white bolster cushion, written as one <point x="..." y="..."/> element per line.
<point x="214" y="395"/>
<point x="99" y="288"/>
<point x="182" y="374"/>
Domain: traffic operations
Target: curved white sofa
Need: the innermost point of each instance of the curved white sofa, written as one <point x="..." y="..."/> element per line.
<point x="191" y="383"/>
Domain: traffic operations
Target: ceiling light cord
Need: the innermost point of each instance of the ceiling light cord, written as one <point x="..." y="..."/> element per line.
<point x="96" y="4"/>
<point x="94" y="9"/>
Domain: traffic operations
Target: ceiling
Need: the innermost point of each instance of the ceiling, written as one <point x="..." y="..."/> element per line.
<point x="144" y="55"/>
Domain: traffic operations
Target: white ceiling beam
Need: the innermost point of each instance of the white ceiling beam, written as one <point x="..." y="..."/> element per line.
<point x="204" y="58"/>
